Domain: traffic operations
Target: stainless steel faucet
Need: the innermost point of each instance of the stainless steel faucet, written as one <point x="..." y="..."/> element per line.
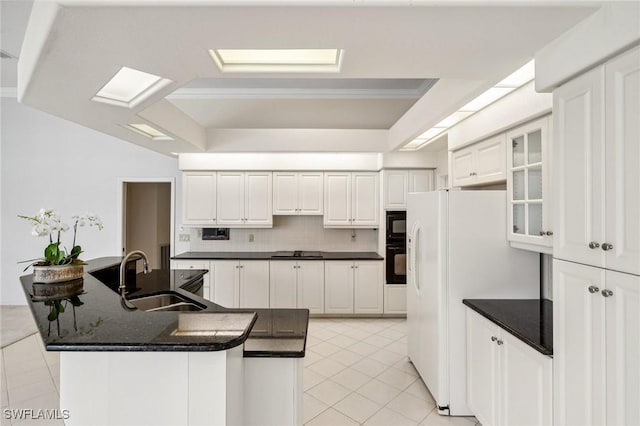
<point x="123" y="265"/>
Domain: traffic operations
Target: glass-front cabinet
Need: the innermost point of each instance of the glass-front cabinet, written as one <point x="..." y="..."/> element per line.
<point x="528" y="186"/>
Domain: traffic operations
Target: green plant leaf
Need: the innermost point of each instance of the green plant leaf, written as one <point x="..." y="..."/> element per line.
<point x="59" y="305"/>
<point x="75" y="301"/>
<point x="51" y="252"/>
<point x="53" y="314"/>
<point x="75" y="252"/>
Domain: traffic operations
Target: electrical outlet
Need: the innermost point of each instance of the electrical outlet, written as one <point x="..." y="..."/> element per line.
<point x="250" y="238"/>
<point x="185" y="237"/>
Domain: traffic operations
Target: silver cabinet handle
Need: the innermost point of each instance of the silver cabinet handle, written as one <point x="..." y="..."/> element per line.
<point x="607" y="293"/>
<point x="593" y="289"/>
<point x="494" y="338"/>
<point x="607" y="246"/>
<point x="593" y="245"/>
<point x="499" y="342"/>
<point x="549" y="232"/>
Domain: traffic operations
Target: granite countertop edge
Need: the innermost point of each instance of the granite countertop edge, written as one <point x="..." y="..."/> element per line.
<point x="272" y="255"/>
<point x="510" y="326"/>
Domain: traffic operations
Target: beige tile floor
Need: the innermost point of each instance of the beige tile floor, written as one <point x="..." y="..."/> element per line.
<point x="356" y="373"/>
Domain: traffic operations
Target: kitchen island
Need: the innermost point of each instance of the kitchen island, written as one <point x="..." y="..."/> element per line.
<point x="133" y="367"/>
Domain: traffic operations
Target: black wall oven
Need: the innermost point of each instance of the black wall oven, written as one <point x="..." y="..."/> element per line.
<point x="396" y="253"/>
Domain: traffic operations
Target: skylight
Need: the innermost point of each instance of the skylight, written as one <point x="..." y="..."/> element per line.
<point x="517" y="79"/>
<point x="148" y="131"/>
<point x="277" y="60"/>
<point x="129" y="87"/>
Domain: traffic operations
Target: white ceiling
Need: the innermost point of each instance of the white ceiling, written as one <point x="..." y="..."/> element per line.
<point x="75" y="46"/>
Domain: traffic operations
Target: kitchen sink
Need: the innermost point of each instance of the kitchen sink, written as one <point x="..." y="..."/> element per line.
<point x="165" y="301"/>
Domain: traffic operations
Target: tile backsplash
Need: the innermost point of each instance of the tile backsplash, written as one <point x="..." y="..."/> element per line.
<point x="290" y="233"/>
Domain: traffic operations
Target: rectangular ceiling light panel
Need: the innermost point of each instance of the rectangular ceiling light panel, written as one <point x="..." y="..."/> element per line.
<point x="149" y="131"/>
<point x="129" y="87"/>
<point x="487" y="98"/>
<point x="277" y="60"/>
<point x="521" y="76"/>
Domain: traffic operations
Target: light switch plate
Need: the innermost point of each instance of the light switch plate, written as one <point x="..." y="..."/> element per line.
<point x="185" y="237"/>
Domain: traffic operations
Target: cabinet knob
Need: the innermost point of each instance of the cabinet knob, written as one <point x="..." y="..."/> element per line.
<point x="607" y="246"/>
<point x="499" y="342"/>
<point x="494" y="338"/>
<point x="542" y="233"/>
<point x="594" y="245"/>
<point x="607" y="293"/>
<point x="593" y="289"/>
<point x="549" y="232"/>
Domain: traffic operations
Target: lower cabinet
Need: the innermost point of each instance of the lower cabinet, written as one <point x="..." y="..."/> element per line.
<point x="395" y="299"/>
<point x="596" y="328"/>
<point x="508" y="382"/>
<point x="297" y="285"/>
<point x="353" y="287"/>
<point x="207" y="290"/>
<point x="240" y="284"/>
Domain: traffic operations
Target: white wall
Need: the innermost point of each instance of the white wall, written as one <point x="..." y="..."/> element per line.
<point x="291" y="233"/>
<point x="50" y="162"/>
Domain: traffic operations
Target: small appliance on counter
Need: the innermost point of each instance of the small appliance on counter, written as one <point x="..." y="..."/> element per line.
<point x="396" y="252"/>
<point x="215" y="234"/>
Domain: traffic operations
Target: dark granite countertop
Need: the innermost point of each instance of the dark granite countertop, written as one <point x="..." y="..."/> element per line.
<point x="530" y="320"/>
<point x="274" y="255"/>
<point x="94" y="320"/>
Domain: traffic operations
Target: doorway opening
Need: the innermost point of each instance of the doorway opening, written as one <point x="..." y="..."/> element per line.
<point x="147" y="217"/>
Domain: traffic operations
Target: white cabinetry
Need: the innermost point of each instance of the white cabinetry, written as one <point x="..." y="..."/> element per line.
<point x="529" y="185"/>
<point x="398" y="183"/>
<point x="597" y="176"/>
<point x="297" y="284"/>
<point x="241" y="284"/>
<point x="298" y="193"/>
<point x="481" y="163"/>
<point x="508" y="382"/>
<point x="353" y="287"/>
<point x="351" y="200"/>
<point x="596" y="331"/>
<point x="207" y="290"/>
<point x="244" y="199"/>
<point x="395" y="299"/>
<point x="199" y="198"/>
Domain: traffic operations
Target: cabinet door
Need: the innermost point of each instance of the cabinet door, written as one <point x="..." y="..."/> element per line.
<point x="254" y="284"/>
<point x="338" y="287"/>
<point x="395" y="299"/>
<point x="337" y="198"/>
<point x="257" y="199"/>
<point x="366" y="201"/>
<point x="368" y="288"/>
<point x="311" y="286"/>
<point x="622" y="162"/>
<point x="579" y="169"/>
<point x="396" y="187"/>
<point x="482" y="368"/>
<point x="285" y="193"/>
<point x="421" y="180"/>
<point x="199" y="198"/>
<point x="526" y="396"/>
<point x="230" y="198"/>
<point x="310" y="193"/>
<point x="578" y="344"/>
<point x="623" y="348"/>
<point x="462" y="167"/>
<point x="224" y="281"/>
<point x="490" y="160"/>
<point x="282" y="284"/>
<point x="528" y="184"/>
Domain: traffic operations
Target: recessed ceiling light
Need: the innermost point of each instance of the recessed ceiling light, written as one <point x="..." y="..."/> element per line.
<point x="277" y="60"/>
<point x="488" y="97"/>
<point x="149" y="131"/>
<point x="521" y="76"/>
<point x="129" y="87"/>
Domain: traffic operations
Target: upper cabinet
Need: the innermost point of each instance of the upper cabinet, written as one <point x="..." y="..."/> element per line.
<point x="199" y="198"/>
<point x="351" y="200"/>
<point x="480" y="164"/>
<point x="597" y="178"/>
<point x="398" y="183"/>
<point x="529" y="185"/>
<point x="244" y="199"/>
<point x="298" y="193"/>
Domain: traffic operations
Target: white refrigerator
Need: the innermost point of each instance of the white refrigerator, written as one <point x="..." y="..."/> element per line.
<point x="457" y="249"/>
